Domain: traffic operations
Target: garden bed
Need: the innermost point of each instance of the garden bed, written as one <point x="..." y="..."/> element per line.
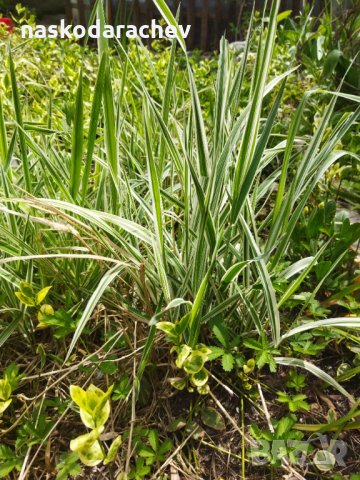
<point x="179" y="257"/>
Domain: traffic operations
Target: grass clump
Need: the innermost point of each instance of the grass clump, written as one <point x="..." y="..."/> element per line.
<point x="189" y="244"/>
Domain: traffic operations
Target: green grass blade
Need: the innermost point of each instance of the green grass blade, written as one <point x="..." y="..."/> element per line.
<point x="3" y="137"/>
<point x="77" y="141"/>
<point x="18" y="116"/>
<point x="343" y="322"/>
<point x="94" y="119"/>
<point x="170" y="20"/>
<point x="310" y="367"/>
<point x="106" y="280"/>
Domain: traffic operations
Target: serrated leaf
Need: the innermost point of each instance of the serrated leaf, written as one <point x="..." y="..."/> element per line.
<point x="146" y="452"/>
<point x="284" y="426"/>
<point x="154" y="440"/>
<point x="221" y="333"/>
<point x="7" y="467"/>
<point x="216" y="352"/>
<point x="166" y="446"/>
<point x="227" y="362"/>
<point x="8" y="461"/>
<point x="108" y="367"/>
<point x="252" y="343"/>
<point x="68" y="466"/>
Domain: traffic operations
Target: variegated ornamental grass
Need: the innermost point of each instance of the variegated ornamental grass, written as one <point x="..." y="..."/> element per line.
<point x="149" y="197"/>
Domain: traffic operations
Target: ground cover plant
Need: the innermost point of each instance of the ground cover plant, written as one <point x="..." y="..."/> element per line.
<point x="179" y="279"/>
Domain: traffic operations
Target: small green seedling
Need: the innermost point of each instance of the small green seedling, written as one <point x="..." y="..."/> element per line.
<point x="138" y="472"/>
<point x="228" y="351"/>
<point x="283" y="442"/>
<point x="68" y="466"/>
<point x="8" y="461"/>
<point x="296" y="380"/>
<point x="60" y="320"/>
<point x="264" y="352"/>
<point x="295" y="402"/>
<point x="28" y="297"/>
<point x="94" y="405"/>
<point x="122" y="389"/>
<point x="156" y="451"/>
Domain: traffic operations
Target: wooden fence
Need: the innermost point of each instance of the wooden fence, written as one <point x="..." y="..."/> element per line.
<point x="209" y="19"/>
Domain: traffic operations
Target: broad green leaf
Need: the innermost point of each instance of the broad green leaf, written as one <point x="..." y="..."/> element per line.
<point x="113" y="450"/>
<point x="86" y="441"/>
<point x="154" y="440"/>
<point x="167" y="327"/>
<point x="93" y="455"/>
<point x="194" y="362"/>
<point x="178" y="383"/>
<point x="40" y="296"/>
<point x="7" y="467"/>
<point x="29" y="302"/>
<point x="78" y="396"/>
<point x="4" y="405"/>
<point x="331" y="62"/>
<point x="183" y="352"/>
<point x="283" y="15"/>
<point x="5" y="389"/>
<point x="26" y="289"/>
<point x="324" y="460"/>
<point x="234" y="271"/>
<point x="227" y="362"/>
<point x="200" y="378"/>
<point x="213" y="419"/>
